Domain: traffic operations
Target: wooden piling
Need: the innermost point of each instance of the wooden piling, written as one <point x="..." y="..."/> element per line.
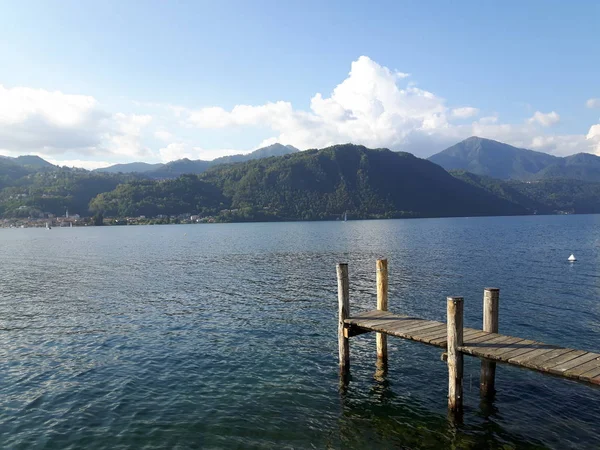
<point x="344" y="313"/>
<point x="491" y="298"/>
<point x="382" y="305"/>
<point x="455" y="357"/>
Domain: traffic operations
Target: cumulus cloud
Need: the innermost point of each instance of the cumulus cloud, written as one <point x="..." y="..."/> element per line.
<point x="35" y="119"/>
<point x="372" y="105"/>
<point x="593" y="103"/>
<point x="163" y="135"/>
<point x="368" y="107"/>
<point x="545" y="120"/>
<point x="464" y="112"/>
<point x="125" y="139"/>
<point x="54" y="123"/>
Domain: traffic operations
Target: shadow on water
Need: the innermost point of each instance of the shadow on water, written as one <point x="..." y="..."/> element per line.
<point x="385" y="419"/>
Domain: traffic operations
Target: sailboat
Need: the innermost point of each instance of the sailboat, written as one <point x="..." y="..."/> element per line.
<point x="48" y="227"/>
<point x="345" y="217"/>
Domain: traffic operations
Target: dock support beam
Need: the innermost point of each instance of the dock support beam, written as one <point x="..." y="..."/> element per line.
<point x="382" y="305"/>
<point x="491" y="298"/>
<point x="455" y="357"/>
<point x="344" y="313"/>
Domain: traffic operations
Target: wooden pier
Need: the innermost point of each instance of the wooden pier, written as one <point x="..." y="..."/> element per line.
<point x="486" y="343"/>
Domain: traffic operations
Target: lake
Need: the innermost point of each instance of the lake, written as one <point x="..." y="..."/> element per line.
<point x="225" y="335"/>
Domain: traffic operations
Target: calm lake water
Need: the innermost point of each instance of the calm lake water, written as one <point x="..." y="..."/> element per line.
<point x="225" y="336"/>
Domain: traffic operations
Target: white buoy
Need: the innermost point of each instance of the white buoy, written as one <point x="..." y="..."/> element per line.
<point x="572" y="258"/>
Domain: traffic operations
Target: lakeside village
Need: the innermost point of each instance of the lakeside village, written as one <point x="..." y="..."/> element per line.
<point x="48" y="220"/>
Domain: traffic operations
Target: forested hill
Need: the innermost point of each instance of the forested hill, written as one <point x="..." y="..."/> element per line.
<point x="312" y="185"/>
<point x="498" y="160"/>
<point x="552" y="196"/>
<point x="308" y="185"/>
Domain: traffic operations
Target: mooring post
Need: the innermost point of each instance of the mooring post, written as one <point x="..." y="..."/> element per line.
<point x="382" y="305"/>
<point x="455" y="357"/>
<point x="344" y="313"/>
<point x="491" y="298"/>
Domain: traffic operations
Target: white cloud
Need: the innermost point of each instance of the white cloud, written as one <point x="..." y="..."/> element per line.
<point x="372" y="108"/>
<point x="372" y="105"/>
<point x="35" y="119"/>
<point x="593" y="137"/>
<point x="545" y="120"/>
<point x="125" y="140"/>
<point x="593" y="103"/>
<point x="163" y="135"/>
<point x="54" y="123"/>
<point x="464" y="112"/>
<point x="368" y="107"/>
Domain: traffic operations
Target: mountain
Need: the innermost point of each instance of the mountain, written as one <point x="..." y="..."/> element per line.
<point x="135" y="167"/>
<point x="494" y="159"/>
<point x="179" y="167"/>
<point x="265" y="152"/>
<point x="30" y="187"/>
<point x="548" y="196"/>
<point x="312" y="185"/>
<point x="582" y="166"/>
<point x="33" y="161"/>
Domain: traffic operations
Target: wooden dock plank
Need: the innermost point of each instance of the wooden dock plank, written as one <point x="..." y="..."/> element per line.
<point x="590" y="374"/>
<point x="491" y="350"/>
<point x="521" y="360"/>
<point x="371" y="314"/>
<point x="585" y="367"/>
<point x="408" y="326"/>
<point x="412" y="330"/>
<point x="547" y="359"/>
<point x="566" y="362"/>
<point x="572" y="359"/>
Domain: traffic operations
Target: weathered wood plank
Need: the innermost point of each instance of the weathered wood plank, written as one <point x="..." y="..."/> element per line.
<point x="483" y="338"/>
<point x="590" y="374"/>
<point x="540" y="362"/>
<point x="513" y="350"/>
<point x="564" y="358"/>
<point x="492" y="350"/>
<point x="562" y="368"/>
<point x="517" y="349"/>
<point x="470" y="332"/>
<point x="372" y="315"/>
<point x="430" y="333"/>
<point x="585" y="367"/>
<point x="521" y="360"/>
<point x="385" y="322"/>
<point x="418" y="330"/>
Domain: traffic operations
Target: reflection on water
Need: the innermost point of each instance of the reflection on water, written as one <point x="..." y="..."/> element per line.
<point x="226" y="335"/>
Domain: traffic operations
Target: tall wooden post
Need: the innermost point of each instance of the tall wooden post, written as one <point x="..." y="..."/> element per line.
<point x="382" y="305"/>
<point x="344" y="313"/>
<point x="455" y="357"/>
<point x="491" y="298"/>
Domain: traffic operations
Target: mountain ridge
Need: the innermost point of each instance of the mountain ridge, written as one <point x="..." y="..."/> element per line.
<point x="185" y="165"/>
<point x="492" y="158"/>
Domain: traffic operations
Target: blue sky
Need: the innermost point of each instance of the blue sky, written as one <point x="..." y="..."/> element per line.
<point x="92" y="83"/>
